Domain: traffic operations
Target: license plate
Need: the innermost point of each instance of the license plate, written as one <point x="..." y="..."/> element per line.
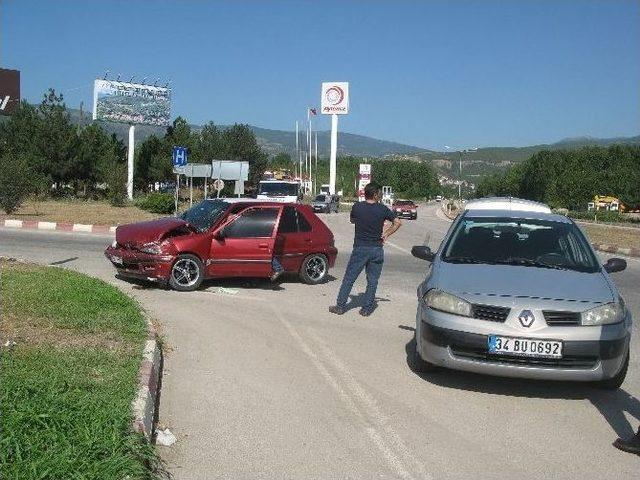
<point x="117" y="260"/>
<point x="524" y="347"/>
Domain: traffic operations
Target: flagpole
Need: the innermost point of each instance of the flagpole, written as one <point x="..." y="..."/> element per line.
<point x="315" y="183"/>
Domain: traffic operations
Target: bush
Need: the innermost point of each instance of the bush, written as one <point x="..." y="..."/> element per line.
<point x="602" y="216"/>
<point x="15" y="182"/>
<point x="157" y="203"/>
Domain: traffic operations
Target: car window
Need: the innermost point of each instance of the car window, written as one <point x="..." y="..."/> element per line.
<point x="303" y="223"/>
<point x="288" y="221"/>
<point x="528" y="242"/>
<point x="203" y="215"/>
<point x="321" y="198"/>
<point x="252" y="223"/>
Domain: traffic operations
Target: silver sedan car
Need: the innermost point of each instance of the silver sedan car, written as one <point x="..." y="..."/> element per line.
<point x="521" y="294"/>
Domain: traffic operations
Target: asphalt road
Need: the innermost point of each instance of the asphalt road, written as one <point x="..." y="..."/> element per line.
<point x="265" y="383"/>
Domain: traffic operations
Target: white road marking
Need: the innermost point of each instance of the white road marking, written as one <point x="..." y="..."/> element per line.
<point x="47" y="225"/>
<point x="391" y="244"/>
<point x="370" y="406"/>
<point x="79" y="227"/>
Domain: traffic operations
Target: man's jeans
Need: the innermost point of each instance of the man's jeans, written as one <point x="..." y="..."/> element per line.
<point x="371" y="259"/>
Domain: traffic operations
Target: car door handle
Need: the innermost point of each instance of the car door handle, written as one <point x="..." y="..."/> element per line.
<point x="263" y="245"/>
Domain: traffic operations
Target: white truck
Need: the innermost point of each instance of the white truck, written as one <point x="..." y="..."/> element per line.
<point x="285" y="191"/>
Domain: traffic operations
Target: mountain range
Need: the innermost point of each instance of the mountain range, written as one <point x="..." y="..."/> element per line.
<point x="475" y="163"/>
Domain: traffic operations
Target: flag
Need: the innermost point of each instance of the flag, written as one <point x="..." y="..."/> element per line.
<point x="312" y="111"/>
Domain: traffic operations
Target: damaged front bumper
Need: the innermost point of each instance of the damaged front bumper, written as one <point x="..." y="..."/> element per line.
<point x="140" y="265"/>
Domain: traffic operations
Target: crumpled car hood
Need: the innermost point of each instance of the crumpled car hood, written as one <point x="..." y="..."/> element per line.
<point x="150" y="231"/>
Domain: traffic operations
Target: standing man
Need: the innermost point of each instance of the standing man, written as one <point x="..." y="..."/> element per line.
<point x="369" y="217"/>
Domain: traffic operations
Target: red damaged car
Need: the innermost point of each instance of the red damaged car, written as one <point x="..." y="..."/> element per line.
<point x="225" y="238"/>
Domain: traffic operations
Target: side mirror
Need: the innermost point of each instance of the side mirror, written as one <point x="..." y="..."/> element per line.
<point x="614" y="265"/>
<point x="423" y="253"/>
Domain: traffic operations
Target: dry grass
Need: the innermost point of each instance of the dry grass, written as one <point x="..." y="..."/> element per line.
<point x="80" y="211"/>
<point x="610" y="235"/>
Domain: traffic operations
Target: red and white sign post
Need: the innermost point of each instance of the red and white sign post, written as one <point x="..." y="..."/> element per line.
<point x="364" y="179"/>
<point x="335" y="101"/>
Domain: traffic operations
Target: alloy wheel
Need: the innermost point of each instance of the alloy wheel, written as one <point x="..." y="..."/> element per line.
<point x="185" y="272"/>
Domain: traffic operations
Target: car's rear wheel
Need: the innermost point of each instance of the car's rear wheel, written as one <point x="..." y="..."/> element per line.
<point x="187" y="273"/>
<point x="615" y="382"/>
<point x="314" y="269"/>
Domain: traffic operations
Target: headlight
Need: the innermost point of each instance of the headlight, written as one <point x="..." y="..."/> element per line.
<point x="151" y="248"/>
<point x="445" y="302"/>
<point x="603" y="315"/>
<point x="413" y="210"/>
<point x="114" y="244"/>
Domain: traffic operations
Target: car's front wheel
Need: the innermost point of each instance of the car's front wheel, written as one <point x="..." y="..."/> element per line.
<point x="187" y="273"/>
<point x="314" y="269"/>
<point x="616" y="381"/>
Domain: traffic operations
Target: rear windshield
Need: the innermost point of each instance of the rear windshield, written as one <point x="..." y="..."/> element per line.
<point x="205" y="214"/>
<point x="522" y="242"/>
<point x="404" y="202"/>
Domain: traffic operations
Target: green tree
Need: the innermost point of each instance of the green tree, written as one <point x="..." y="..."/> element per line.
<point x="15" y="181"/>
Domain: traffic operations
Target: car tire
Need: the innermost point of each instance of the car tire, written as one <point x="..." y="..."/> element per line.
<point x="314" y="269"/>
<point x="187" y="273"/>
<point x="420" y="365"/>
<point x="616" y="381"/>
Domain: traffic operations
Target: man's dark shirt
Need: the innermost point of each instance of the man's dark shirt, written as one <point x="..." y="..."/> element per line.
<point x="369" y="220"/>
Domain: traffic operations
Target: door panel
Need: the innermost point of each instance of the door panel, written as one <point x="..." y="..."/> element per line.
<point x="247" y="246"/>
<point x="292" y="245"/>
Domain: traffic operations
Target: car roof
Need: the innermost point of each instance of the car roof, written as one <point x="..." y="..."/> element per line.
<point x="250" y="201"/>
<point x="517" y="214"/>
<point x="507" y="203"/>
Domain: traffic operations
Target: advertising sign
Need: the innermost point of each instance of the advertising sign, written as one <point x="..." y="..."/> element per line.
<point x="364" y="179"/>
<point x="335" y="98"/>
<point x="9" y="91"/>
<point x="131" y="103"/>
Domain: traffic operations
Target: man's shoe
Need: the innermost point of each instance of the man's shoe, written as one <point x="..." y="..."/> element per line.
<point x="275" y="276"/>
<point x="631" y="445"/>
<point x="365" y="312"/>
<point x="338" y="310"/>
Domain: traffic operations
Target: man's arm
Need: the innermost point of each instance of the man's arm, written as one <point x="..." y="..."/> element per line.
<point x="391" y="229"/>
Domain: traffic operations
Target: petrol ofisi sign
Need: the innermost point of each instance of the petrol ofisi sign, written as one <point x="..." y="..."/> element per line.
<point x="335" y="98"/>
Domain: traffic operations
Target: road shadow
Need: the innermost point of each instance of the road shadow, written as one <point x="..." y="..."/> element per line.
<point x="357" y="301"/>
<point x="612" y="404"/>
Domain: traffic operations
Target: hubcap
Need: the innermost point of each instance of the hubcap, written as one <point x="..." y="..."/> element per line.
<point x="185" y="272"/>
<point x="316" y="268"/>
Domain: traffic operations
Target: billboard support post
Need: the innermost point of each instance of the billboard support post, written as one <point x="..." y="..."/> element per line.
<point x="131" y="150"/>
<point x="334" y="102"/>
<point x="334" y="147"/>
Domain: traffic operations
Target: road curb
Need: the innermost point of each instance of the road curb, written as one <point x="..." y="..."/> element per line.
<point x="145" y="405"/>
<point x="61" y="227"/>
<point x="629" y="252"/>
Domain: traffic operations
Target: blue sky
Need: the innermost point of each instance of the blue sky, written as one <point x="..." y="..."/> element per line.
<point x="460" y="73"/>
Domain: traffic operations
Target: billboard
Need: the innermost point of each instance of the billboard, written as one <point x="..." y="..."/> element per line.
<point x="9" y="91"/>
<point x="335" y="98"/>
<point x="131" y="103"/>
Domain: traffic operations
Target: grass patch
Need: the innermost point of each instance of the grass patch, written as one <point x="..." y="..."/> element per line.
<point x="611" y="235"/>
<point x="80" y="211"/>
<point x="66" y="386"/>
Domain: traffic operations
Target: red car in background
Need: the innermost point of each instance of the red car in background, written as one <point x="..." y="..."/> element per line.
<point x="225" y="238"/>
<point x="405" y="209"/>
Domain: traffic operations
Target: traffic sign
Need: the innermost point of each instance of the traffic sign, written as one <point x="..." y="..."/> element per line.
<point x="218" y="185"/>
<point x="180" y="156"/>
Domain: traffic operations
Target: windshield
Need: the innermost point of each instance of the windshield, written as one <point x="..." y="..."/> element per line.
<point x="523" y="242"/>
<point x="321" y="198"/>
<point x="278" y="188"/>
<point x="203" y="215"/>
<point x="403" y="202"/>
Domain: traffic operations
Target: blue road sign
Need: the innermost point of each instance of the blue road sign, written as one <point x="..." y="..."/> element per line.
<point x="179" y="157"/>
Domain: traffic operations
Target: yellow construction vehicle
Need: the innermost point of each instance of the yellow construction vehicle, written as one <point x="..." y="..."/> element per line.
<point x="604" y="202"/>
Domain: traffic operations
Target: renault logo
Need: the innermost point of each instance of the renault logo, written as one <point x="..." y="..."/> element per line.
<point x="526" y="318"/>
